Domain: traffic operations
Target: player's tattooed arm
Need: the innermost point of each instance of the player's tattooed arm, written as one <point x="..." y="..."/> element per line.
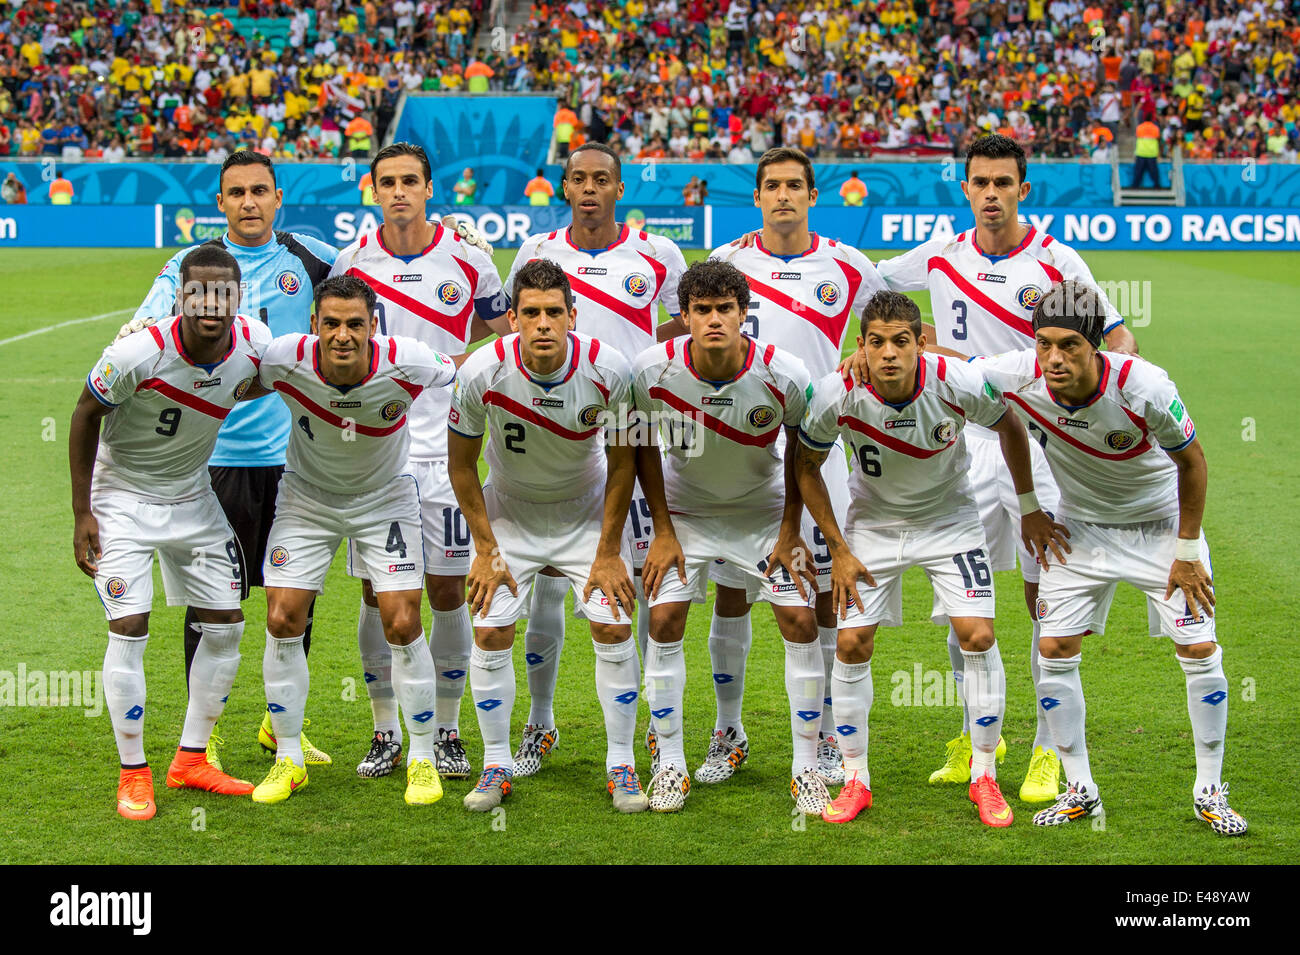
<point x="1038" y="531"/>
<point x="489" y="569"/>
<point x="83" y="444"/>
<point x="1121" y="341"/>
<point x="846" y="569"/>
<point x="608" y="571"/>
<point x="665" y="553"/>
<point x="1191" y="576"/>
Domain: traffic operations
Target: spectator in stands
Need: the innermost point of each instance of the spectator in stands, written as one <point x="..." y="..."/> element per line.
<point x="539" y="190"/>
<point x="466" y="188"/>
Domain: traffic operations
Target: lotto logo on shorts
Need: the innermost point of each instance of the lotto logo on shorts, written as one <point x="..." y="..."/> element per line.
<point x="1028" y="296"/>
<point x="642" y="545"/>
<point x="979" y="593"/>
<point x="279" y="557"/>
<point x="115" y="586"/>
<point x="399" y="568"/>
<point x="457" y="553"/>
<point x="1040" y="608"/>
<point x="1188" y="621"/>
<point x="288" y="283"/>
<point x="828" y="293"/>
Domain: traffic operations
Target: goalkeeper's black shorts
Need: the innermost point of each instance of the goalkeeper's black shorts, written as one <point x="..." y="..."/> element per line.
<point x="247" y="495"/>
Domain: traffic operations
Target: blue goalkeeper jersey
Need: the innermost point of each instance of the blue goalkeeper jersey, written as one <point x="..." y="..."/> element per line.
<point x="276" y="284"/>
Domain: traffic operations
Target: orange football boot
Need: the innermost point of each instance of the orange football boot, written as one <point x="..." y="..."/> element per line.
<point x="193" y="771"/>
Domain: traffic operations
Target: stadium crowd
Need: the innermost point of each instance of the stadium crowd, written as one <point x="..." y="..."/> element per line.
<point x="693" y="79"/>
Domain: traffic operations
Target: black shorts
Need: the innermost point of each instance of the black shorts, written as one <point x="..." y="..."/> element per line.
<point x="247" y="495"/>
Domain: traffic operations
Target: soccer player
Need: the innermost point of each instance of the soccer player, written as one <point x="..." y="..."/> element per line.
<point x="619" y="277"/>
<point x="722" y="490"/>
<point x="349" y="392"/>
<point x="433" y="286"/>
<point x="1133" y="477"/>
<point x="983" y="285"/>
<point x="143" y="487"/>
<point x="279" y="271"/>
<point x="552" y="501"/>
<point x="912" y="505"/>
<point x="803" y="288"/>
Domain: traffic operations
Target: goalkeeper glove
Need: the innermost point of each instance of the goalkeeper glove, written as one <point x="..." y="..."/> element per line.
<point x="133" y="326"/>
<point x="467" y="233"/>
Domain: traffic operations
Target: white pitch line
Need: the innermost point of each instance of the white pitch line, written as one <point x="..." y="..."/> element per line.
<point x="76" y="321"/>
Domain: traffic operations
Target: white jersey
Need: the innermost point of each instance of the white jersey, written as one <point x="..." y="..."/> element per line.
<point x="1108" y="455"/>
<point x="803" y="304"/>
<point x="982" y="304"/>
<point x="910" y="460"/>
<point x="546" y="440"/>
<point x="616" y="290"/>
<point x="431" y="298"/>
<point x="354" y="439"/>
<point x="168" y="410"/>
<point x="720" y="437"/>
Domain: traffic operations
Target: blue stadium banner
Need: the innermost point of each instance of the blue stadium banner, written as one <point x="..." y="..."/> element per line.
<point x="1105" y="227"/>
<point x="80" y="226"/>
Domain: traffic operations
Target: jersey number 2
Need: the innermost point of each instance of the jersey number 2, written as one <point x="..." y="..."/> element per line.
<point x="514" y="433"/>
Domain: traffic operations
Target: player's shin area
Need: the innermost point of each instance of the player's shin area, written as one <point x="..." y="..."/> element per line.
<point x="286" y="613"/>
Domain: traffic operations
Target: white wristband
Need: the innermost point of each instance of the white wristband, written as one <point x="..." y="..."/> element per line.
<point x="1029" y="503"/>
<point x="1188" y="550"/>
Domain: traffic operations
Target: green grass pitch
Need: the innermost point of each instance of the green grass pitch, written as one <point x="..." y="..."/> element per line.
<point x="1221" y="323"/>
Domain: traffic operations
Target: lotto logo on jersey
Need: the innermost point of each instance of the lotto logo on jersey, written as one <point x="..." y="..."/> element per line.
<point x="762" y="416"/>
<point x="392" y="411"/>
<point x="210" y="382"/>
<point x="1029" y="296"/>
<point x="1119" y="440"/>
<point x="990" y="277"/>
<point x="449" y="293"/>
<point x="636" y="284"/>
<point x="892" y="423"/>
<point x="1188" y="428"/>
<point x="453" y="416"/>
<point x="589" y="415"/>
<point x="409" y="277"/>
<point x="279" y="557"/>
<point x="828" y="293"/>
<point x="592" y="270"/>
<point x="288" y="283"/>
<point x="787" y="276"/>
<point x="1072" y="423"/>
<point x="241" y="389"/>
<point x="115" y="587"/>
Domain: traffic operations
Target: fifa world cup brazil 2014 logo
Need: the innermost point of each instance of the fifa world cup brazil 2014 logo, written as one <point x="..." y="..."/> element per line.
<point x="185" y="220"/>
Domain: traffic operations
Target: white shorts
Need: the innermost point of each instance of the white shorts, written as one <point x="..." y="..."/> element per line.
<point x="1075" y="597"/>
<point x="953" y="556"/>
<point x="835" y="472"/>
<point x="310" y="523"/>
<point x="560" y="534"/>
<point x="201" y="563"/>
<point x="999" y="506"/>
<point x="743" y="540"/>
<point x="444" y="529"/>
<point x="639" y="528"/>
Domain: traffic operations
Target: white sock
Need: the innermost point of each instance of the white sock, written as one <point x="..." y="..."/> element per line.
<point x="124" y="694"/>
<point x="665" y="681"/>
<point x="415" y="685"/>
<point x="805" y="687"/>
<point x="958" y="664"/>
<point x="543" y="641"/>
<point x="284" y="670"/>
<point x="985" y="693"/>
<point x="450" y="640"/>
<point x="618" y="673"/>
<point x="1207" y="704"/>
<point x="729" y="642"/>
<point x="492" y="683"/>
<point x="827" y="637"/>
<point x="1042" y="734"/>
<point x="1060" y="694"/>
<point x="377" y="662"/>
<point x="642" y="617"/>
<point x="853" y="694"/>
<point x="212" y="674"/>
